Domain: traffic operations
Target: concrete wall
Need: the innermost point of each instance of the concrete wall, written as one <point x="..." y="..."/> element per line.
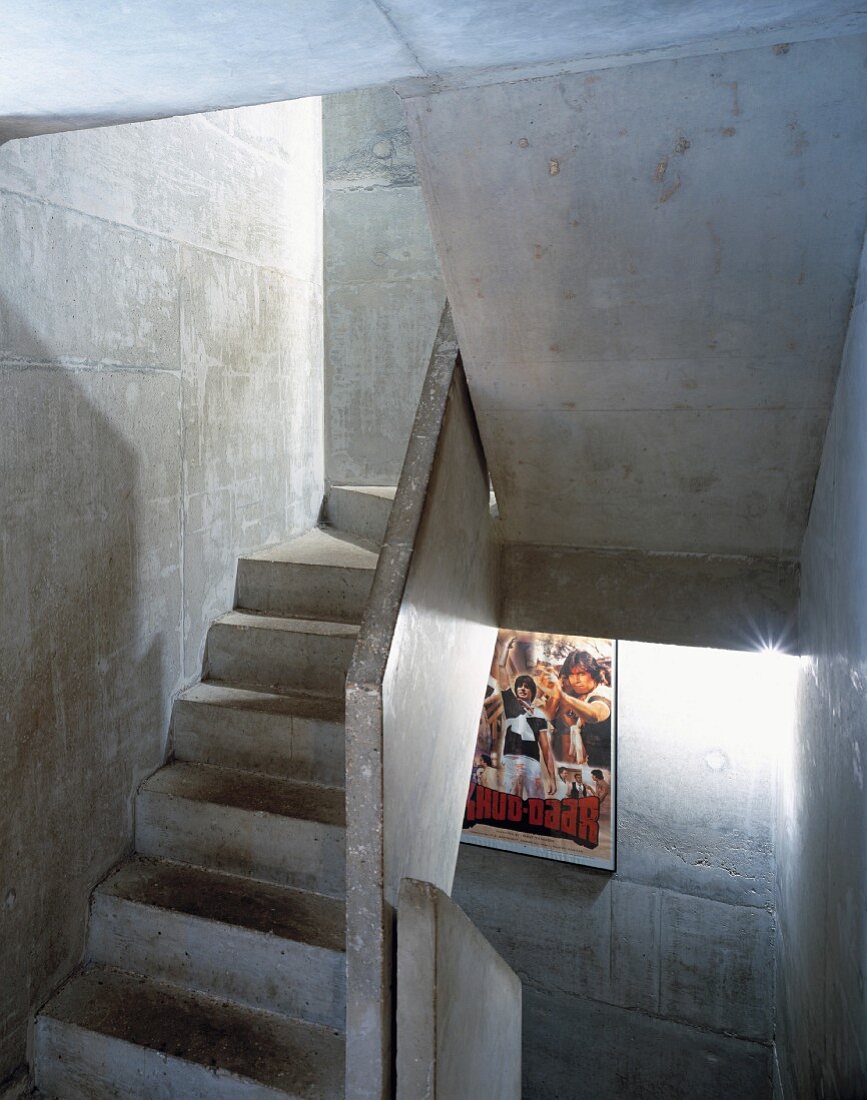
<point x="160" y="360"/>
<point x="383" y="291"/>
<point x="413" y="694"/>
<point x="822" y="841"/>
<point x="677" y="599"/>
<point x="656" y="980"/>
<point x="458" y="1004"/>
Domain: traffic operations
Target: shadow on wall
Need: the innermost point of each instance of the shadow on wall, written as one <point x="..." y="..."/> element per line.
<point x="87" y="596"/>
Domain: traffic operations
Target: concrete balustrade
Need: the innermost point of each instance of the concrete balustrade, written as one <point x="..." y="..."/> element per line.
<point x="413" y="694"/>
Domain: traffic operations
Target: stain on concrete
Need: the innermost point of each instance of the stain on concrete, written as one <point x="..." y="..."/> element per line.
<point x="670" y="191"/>
<point x="799" y="140"/>
<point x="733" y="86"/>
<point x="717" y="247"/>
<point x="699" y="483"/>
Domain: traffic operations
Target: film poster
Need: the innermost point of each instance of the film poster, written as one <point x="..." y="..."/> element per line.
<point x="544" y="772"/>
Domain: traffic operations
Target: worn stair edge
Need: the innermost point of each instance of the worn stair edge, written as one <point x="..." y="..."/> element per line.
<point x="108" y="1034"/>
<point x="295" y="736"/>
<point x="252" y="943"/>
<point x="270" y="829"/>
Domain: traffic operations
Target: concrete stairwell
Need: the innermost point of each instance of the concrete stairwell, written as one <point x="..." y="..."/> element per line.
<point x="215" y="959"/>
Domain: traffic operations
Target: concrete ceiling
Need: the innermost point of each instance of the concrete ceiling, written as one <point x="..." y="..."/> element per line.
<point x="66" y="64"/>
<point x="651" y="269"/>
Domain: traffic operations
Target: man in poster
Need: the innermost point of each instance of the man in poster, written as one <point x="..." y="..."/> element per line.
<point x="579" y="706"/>
<point x="526" y="742"/>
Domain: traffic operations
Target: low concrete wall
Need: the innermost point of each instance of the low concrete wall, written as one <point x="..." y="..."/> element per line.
<point x="713" y="600"/>
<point x="413" y="695"/>
<point x="458" y="1004"/>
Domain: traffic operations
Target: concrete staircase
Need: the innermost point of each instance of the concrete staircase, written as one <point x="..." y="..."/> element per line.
<point x="215" y="962"/>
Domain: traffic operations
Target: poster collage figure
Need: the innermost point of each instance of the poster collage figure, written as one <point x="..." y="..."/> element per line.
<point x="544" y="771"/>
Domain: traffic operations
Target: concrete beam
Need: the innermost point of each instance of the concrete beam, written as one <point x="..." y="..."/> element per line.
<point x="675" y="599"/>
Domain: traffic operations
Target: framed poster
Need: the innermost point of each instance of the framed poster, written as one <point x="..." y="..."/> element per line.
<point x="544" y="776"/>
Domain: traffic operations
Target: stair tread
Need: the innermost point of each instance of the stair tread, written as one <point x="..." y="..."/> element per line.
<point x="291" y="914"/>
<point x="320" y="546"/>
<point x="384" y="492"/>
<point x="252" y="620"/>
<point x="298" y="704"/>
<point x="252" y="791"/>
<point x="300" y="1059"/>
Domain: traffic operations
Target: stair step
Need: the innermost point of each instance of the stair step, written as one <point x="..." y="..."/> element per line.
<point x="294" y="735"/>
<point x="264" y="946"/>
<point x="321" y="574"/>
<point x="111" y="1034"/>
<point x="360" y="510"/>
<point x="265" y="827"/>
<point x="280" y="653"/>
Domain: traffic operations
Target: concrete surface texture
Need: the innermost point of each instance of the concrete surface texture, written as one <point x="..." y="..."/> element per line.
<point x="82" y="62"/>
<point x="651" y="349"/>
<point x="383" y="290"/>
<point x="215" y="963"/>
<point x="656" y="980"/>
<point x="160" y="357"/>
<point x="822" y="877"/>
<point x="675" y="599"/>
<point x="413" y="694"/>
<point x="458" y="1004"/>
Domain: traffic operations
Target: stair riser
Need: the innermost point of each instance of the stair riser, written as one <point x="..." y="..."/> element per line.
<point x="268" y="847"/>
<point x="305" y="749"/>
<point x="358" y="514"/>
<point x="223" y="960"/>
<point x="75" y="1064"/>
<point x="279" y="659"/>
<point x="308" y="591"/>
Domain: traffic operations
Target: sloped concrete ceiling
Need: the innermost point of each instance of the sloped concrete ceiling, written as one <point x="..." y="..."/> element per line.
<point x="65" y="64"/>
<point x="651" y="270"/>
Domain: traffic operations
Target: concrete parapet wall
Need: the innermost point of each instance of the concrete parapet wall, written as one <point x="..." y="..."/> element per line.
<point x="160" y="360"/>
<point x="413" y="696"/>
<point x="458" y="1004"/>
